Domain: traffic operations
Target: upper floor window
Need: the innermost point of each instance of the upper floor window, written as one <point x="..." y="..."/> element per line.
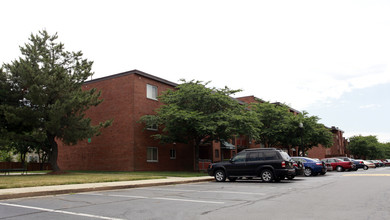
<point x="151" y="92"/>
<point x="152" y="127"/>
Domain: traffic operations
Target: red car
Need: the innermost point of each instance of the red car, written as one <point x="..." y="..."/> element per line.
<point x="340" y="165"/>
<point x="386" y="162"/>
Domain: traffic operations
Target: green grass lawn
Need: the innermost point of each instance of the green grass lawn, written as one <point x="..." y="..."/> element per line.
<point x="74" y="177"/>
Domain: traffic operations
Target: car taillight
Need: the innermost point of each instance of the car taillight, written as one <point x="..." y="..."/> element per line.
<point x="361" y="162"/>
<point x="283" y="164"/>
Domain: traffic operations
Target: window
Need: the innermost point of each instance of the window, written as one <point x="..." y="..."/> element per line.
<point x="269" y="155"/>
<point x="152" y="127"/>
<point x="216" y="153"/>
<point x="152" y="154"/>
<point x="151" y="92"/>
<point x="172" y="154"/>
<point x="239" y="158"/>
<point x="253" y="156"/>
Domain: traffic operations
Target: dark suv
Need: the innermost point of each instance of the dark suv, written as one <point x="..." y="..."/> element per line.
<point x="267" y="163"/>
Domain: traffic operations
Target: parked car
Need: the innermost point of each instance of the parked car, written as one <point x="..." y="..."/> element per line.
<point x="299" y="169"/>
<point x="340" y="165"/>
<point x="387" y="162"/>
<point x="367" y="164"/>
<point x="358" y="164"/>
<point x="374" y="162"/>
<point x="312" y="167"/>
<point x="269" y="164"/>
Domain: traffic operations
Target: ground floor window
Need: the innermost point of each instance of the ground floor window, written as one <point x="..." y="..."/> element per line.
<point x="152" y="154"/>
<point x="216" y="153"/>
<point x="172" y="154"/>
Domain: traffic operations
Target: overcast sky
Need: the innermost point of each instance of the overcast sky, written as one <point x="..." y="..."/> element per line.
<point x="329" y="58"/>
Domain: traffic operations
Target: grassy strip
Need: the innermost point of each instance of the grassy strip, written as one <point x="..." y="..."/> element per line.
<point x="76" y="177"/>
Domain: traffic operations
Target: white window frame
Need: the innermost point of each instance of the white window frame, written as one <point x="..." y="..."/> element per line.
<point x="172" y="153"/>
<point x="151" y="92"/>
<point x="152" y="127"/>
<point x="152" y="154"/>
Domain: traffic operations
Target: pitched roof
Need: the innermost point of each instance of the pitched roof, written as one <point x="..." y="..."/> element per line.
<point x="133" y="72"/>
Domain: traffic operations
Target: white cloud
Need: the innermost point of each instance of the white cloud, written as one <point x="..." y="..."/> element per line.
<point x="370" y="106"/>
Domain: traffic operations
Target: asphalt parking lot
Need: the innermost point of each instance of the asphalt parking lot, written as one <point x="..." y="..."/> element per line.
<point x="346" y="195"/>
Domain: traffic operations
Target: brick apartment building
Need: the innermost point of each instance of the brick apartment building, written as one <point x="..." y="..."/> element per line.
<point x="127" y="146"/>
<point x="339" y="148"/>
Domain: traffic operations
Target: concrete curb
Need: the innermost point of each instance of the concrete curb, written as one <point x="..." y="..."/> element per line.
<point x="79" y="188"/>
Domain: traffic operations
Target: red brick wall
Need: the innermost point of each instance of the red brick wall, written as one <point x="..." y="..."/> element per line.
<point x="337" y="149"/>
<point x="123" y="146"/>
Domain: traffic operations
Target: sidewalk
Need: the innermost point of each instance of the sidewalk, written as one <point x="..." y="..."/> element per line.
<point x="87" y="187"/>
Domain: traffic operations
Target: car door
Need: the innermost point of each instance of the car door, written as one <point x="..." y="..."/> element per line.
<point x="237" y="164"/>
<point x="252" y="164"/>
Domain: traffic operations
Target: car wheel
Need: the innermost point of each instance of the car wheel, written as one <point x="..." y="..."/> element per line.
<point x="365" y="167"/>
<point x="323" y="173"/>
<point x="232" y="179"/>
<point x="307" y="172"/>
<point x="267" y="176"/>
<point x="220" y="176"/>
<point x="339" y="169"/>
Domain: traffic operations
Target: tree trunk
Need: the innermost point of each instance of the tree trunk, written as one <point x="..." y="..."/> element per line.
<point x="197" y="143"/>
<point x="53" y="153"/>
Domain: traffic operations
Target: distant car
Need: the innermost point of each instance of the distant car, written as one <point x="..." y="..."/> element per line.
<point x="387" y="162"/>
<point x="312" y="167"/>
<point x="367" y="164"/>
<point x="381" y="164"/>
<point x="358" y="164"/>
<point x="378" y="163"/>
<point x="340" y="165"/>
<point x="374" y="162"/>
<point x="299" y="169"/>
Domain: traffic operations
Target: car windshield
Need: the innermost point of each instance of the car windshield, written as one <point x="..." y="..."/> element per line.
<point x="285" y="156"/>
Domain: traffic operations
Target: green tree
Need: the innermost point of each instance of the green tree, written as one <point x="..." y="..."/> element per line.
<point x="193" y="113"/>
<point x="364" y="147"/>
<point x="283" y="128"/>
<point x="46" y="96"/>
<point x="386" y="150"/>
<point x="313" y="133"/>
<point x="274" y="120"/>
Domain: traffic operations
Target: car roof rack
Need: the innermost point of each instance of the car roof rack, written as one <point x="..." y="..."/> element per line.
<point x="256" y="149"/>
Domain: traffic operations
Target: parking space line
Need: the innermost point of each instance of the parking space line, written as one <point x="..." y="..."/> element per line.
<point x="188" y="200"/>
<point x="377" y="174"/>
<point x="207" y="191"/>
<point x="59" y="211"/>
<point x="157" y="198"/>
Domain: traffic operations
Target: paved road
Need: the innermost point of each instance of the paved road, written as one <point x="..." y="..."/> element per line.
<point x="347" y="195"/>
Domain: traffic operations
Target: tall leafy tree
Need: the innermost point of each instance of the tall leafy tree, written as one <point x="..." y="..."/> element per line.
<point x="283" y="128"/>
<point x="44" y="100"/>
<point x="386" y="150"/>
<point x="364" y="146"/>
<point x="194" y="113"/>
<point x="311" y="133"/>
<point x="274" y="120"/>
